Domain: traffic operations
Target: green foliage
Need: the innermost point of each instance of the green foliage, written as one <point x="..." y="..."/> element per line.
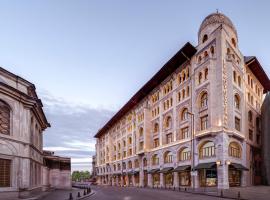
<point x="80" y="175"/>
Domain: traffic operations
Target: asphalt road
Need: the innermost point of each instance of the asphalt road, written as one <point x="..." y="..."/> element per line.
<point x="118" y="193"/>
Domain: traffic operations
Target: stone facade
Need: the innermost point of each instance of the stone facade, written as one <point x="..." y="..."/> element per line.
<point x="22" y="122"/>
<point x="199" y="127"/>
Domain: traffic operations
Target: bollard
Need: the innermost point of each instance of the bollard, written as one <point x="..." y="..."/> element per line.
<point x="79" y="195"/>
<point x="239" y="195"/>
<point x="70" y="196"/>
<point x="221" y="193"/>
<point x="185" y="189"/>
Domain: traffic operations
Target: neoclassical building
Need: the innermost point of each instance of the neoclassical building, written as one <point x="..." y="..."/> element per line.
<point x="22" y="122"/>
<point x="195" y="123"/>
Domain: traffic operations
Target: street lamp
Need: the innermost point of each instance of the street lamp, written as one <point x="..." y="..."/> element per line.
<point x="192" y="149"/>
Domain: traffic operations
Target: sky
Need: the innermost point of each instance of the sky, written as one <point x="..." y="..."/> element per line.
<point x="88" y="57"/>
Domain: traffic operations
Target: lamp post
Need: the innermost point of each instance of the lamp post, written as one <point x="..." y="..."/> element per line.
<point x="192" y="149"/>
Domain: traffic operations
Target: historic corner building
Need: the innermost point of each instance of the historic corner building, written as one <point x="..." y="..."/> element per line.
<point x="196" y="123"/>
<point x="24" y="167"/>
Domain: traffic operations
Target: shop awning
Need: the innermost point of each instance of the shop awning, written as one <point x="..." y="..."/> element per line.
<point x="182" y="168"/>
<point x="152" y="171"/>
<point x="205" y="166"/>
<point x="166" y="170"/>
<point x="239" y="166"/>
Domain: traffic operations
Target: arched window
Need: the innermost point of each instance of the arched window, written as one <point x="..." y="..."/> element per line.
<point x="228" y="51"/>
<point x="204" y="100"/>
<point x="184" y="154"/>
<point x="168" y="157"/>
<point x="236" y="102"/>
<point x="130" y="164"/>
<point x="168" y="122"/>
<point x="205" y="38"/>
<point x="205" y="54"/>
<point x="114" y="167"/>
<point x="124" y="165"/>
<point x="156" y="127"/>
<point x="118" y="166"/>
<point x="199" y="59"/>
<point x="250" y="116"/>
<point x="200" y="77"/>
<point x="184" y="114"/>
<point x="141" y="131"/>
<point x="212" y="50"/>
<point x="155" y="160"/>
<point x="235" y="150"/>
<point x="207" y="150"/>
<point x="4" y="118"/>
<point x="206" y="74"/>
<point x="233" y="42"/>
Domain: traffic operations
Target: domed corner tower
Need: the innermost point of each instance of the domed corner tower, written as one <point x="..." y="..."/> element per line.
<point x="212" y="22"/>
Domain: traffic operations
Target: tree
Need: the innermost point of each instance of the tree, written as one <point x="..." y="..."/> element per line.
<point x="80" y="175"/>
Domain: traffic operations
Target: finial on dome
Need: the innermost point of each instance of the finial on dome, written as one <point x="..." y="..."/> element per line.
<point x="217" y="11"/>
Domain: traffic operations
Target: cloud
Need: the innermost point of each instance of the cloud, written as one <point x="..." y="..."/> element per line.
<point x="73" y="128"/>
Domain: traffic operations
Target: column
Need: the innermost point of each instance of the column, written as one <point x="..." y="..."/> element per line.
<point x="161" y="180"/>
<point x="195" y="178"/>
<point x="141" y="178"/>
<point x="122" y="181"/>
<point x="133" y="180"/>
<point x="175" y="179"/>
<point x="150" y="180"/>
<point x="223" y="179"/>
<point x="244" y="175"/>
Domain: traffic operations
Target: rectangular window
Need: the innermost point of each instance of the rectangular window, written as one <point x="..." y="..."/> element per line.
<point x="204" y="122"/>
<point x="237" y="123"/>
<point x="141" y="146"/>
<point x="5" y="166"/>
<point x="156" y="143"/>
<point x="169" y="138"/>
<point x="184" y="133"/>
<point x="250" y="135"/>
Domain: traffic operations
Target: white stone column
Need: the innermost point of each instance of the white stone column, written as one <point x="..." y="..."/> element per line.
<point x="175" y="179"/>
<point x="150" y="180"/>
<point x="244" y="175"/>
<point x="223" y="179"/>
<point x="122" y="180"/>
<point x="141" y="178"/>
<point x="161" y="180"/>
<point x="133" y="180"/>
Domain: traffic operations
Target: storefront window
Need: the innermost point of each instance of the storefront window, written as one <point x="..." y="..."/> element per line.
<point x="208" y="177"/>
<point x="234" y="177"/>
<point x="156" y="179"/>
<point x="184" y="178"/>
<point x="168" y="180"/>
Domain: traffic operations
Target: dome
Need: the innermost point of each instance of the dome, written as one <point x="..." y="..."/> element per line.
<point x="217" y="18"/>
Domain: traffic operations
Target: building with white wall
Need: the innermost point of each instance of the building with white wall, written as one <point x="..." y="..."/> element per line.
<point x="196" y="123"/>
<point x="22" y="122"/>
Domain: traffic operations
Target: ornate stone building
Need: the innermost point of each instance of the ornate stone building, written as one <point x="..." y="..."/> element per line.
<point x="22" y="122"/>
<point x="196" y="123"/>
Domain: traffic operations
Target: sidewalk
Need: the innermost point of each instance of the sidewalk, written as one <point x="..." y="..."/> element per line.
<point x="62" y="194"/>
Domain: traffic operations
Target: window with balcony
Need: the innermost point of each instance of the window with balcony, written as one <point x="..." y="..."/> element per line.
<point x="136" y="163"/>
<point x="156" y="128"/>
<point x="168" y="122"/>
<point x="130" y="164"/>
<point x="250" y="135"/>
<point x="141" y="146"/>
<point x="250" y="116"/>
<point x="145" y="162"/>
